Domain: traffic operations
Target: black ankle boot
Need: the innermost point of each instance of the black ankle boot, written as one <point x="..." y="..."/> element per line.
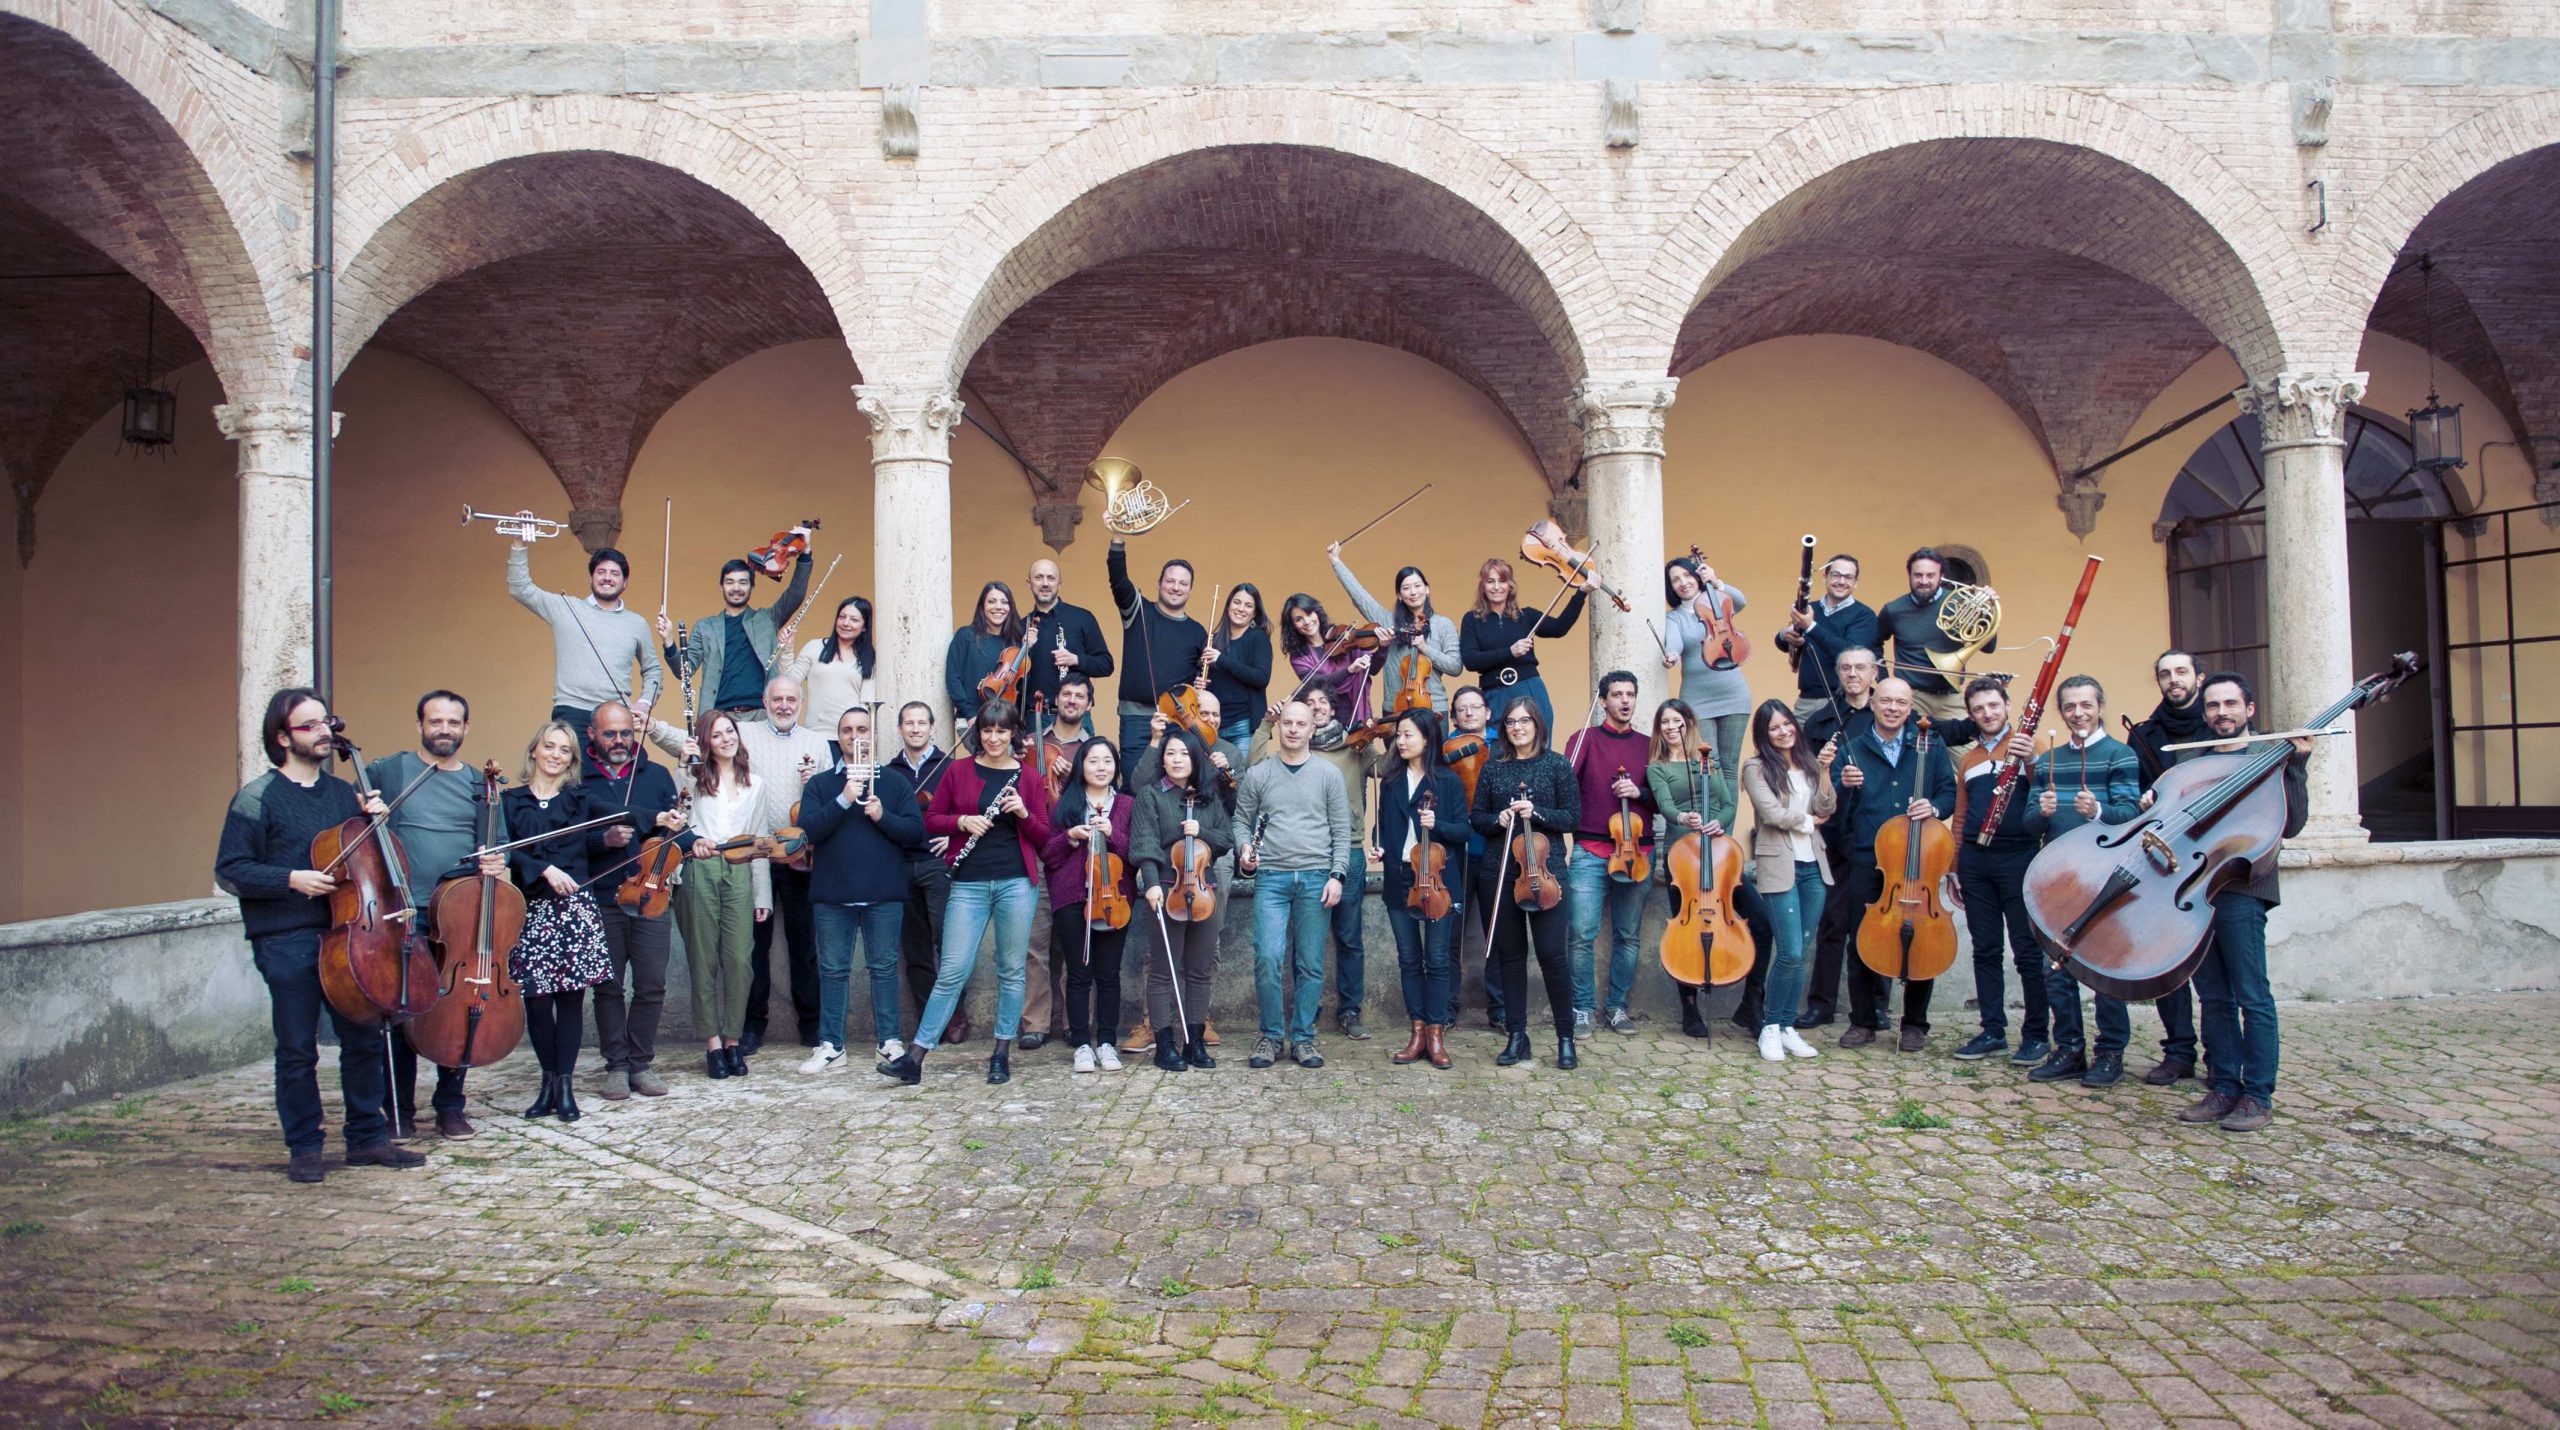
<point x="1169" y="1055"/>
<point x="568" y="1099"/>
<point x="1000" y="1062"/>
<point x="1693" y="1024"/>
<point x="715" y="1061"/>
<point x="906" y="1067"/>
<point x="1565" y="1056"/>
<point x="737" y="1059"/>
<point x="548" y="1102"/>
<point x="1197" y="1052"/>
<point x="1514" y="1052"/>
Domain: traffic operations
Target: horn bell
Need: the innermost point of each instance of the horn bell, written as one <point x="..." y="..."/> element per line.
<point x="1969" y="616"/>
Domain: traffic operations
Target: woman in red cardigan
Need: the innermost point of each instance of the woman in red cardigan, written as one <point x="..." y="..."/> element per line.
<point x="997" y="821"/>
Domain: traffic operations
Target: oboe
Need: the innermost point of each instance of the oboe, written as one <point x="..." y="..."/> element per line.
<point x="989" y="812"/>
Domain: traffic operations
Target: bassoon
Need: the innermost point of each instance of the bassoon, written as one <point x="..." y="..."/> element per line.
<point x="2007" y="770"/>
<point x="1804" y="602"/>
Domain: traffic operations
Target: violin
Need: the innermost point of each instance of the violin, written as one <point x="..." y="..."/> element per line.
<point x="1106" y="900"/>
<point x="1727" y="646"/>
<point x="1545" y="546"/>
<point x="775" y="556"/>
<point x="1465" y="753"/>
<point x="1429" y="895"/>
<point x="1909" y="932"/>
<point x="1704" y="944"/>
<point x="1052" y="751"/>
<point x="1537" y="887"/>
<point x="1194" y="895"/>
<point x="1628" y="861"/>
<point x="1180" y="706"/>
<point x="2128" y="908"/>
<point x="375" y="965"/>
<point x="1005" y="681"/>
<point x="1356" y="635"/>
<point x="651" y="884"/>
<point x="479" y="1013"/>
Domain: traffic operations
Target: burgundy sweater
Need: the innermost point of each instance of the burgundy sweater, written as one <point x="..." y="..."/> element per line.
<point x="961" y="793"/>
<point x="1598" y="753"/>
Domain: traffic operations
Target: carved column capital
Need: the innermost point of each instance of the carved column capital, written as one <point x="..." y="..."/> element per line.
<point x="1058" y="519"/>
<point x="595" y="526"/>
<point x="2301" y="409"/>
<point x="274" y="437"/>
<point x="1623" y="415"/>
<point x="908" y="424"/>
<point x="2080" y="502"/>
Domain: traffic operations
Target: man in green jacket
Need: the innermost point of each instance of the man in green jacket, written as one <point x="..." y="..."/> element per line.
<point x="732" y="652"/>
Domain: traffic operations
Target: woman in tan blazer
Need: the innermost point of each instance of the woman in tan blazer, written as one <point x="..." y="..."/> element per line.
<point x="1789" y="787"/>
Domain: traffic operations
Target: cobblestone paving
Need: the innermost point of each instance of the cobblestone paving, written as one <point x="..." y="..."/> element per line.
<point x="1673" y="1234"/>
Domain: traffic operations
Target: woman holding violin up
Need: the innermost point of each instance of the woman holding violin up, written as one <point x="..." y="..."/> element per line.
<point x="1499" y="640"/>
<point x="1419" y="825"/>
<point x="977" y="648"/>
<point x="562" y="952"/>
<point x="720" y="902"/>
<point x="1178" y="830"/>
<point x="1696" y="602"/>
<point x="1417" y="634"/>
<point x="1089" y="811"/>
<point x="1526" y="806"/>
<point x="1328" y="657"/>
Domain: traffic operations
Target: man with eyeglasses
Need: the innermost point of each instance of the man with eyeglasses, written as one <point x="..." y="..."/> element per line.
<point x="265" y="861"/>
<point x="1823" y="631"/>
<point x="620" y="775"/>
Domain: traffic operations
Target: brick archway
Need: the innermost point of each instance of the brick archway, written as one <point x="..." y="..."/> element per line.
<point x="1030" y="232"/>
<point x="416" y="163"/>
<point x="2229" y="293"/>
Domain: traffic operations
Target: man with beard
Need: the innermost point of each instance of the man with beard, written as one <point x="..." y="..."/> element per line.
<point x="1071" y="641"/>
<point x="1827" y="630"/>
<point x="437" y="822"/>
<point x="733" y="651"/>
<point x="1911" y="622"/>
<point x="921" y="764"/>
<point x="595" y="640"/>
<point x="1160" y="645"/>
<point x="1843" y="719"/>
<point x="781" y="748"/>
<point x="618" y="775"/>
<point x="2177" y="718"/>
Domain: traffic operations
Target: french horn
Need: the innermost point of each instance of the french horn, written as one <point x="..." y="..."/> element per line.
<point x="1969" y="616"/>
<point x="1131" y="505"/>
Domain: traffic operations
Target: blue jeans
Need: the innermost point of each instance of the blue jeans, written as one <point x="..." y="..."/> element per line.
<point x="1351" y="954"/>
<point x="290" y="962"/>
<point x="1137" y="724"/>
<point x="878" y="926"/>
<point x="2239" y="1008"/>
<point x="1500" y="696"/>
<point x="1289" y="917"/>
<point x="976" y="903"/>
<point x="2062" y="997"/>
<point x="1591" y="890"/>
<point x="1794" y="913"/>
<point x="1422" y="956"/>
<point x="2178" y="1023"/>
<point x="1238" y="733"/>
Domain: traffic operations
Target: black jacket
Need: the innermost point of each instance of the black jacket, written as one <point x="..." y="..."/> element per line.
<point x="1852" y="625"/>
<point x="1396" y="828"/>
<point x="921" y="782"/>
<point x="1484" y="642"/>
<point x="1241" y="676"/>
<point x="970" y="658"/>
<point x="1913" y="628"/>
<point x="852" y="860"/>
<point x="1889" y="789"/>
<point x="2166" y="725"/>
<point x="1156" y="822"/>
<point x="2297" y="813"/>
<point x="1555" y="802"/>
<point x="1084" y="642"/>
<point x="1157" y="652"/>
<point x="576" y="855"/>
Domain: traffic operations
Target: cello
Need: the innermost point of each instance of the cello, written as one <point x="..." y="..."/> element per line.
<point x="1704" y="944"/>
<point x="1726" y="645"/>
<point x="2128" y="908"/>
<point x="375" y="964"/>
<point x="479" y="1013"/>
<point x="1909" y="932"/>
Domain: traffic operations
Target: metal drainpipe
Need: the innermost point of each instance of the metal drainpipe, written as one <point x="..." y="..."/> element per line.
<point x="324" y="296"/>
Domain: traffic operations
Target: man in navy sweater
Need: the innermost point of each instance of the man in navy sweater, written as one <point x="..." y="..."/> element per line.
<point x="1836" y="623"/>
<point x="1882" y="778"/>
<point x="2090" y="779"/>
<point x="861" y="818"/>
<point x="265" y="861"/>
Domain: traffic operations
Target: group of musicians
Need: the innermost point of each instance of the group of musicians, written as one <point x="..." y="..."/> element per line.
<point x="1040" y="836"/>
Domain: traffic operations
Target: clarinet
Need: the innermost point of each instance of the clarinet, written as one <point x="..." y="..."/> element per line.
<point x="989" y="812"/>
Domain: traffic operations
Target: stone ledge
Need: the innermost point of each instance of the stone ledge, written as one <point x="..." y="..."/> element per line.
<point x="2422" y="851"/>
<point x="106" y="924"/>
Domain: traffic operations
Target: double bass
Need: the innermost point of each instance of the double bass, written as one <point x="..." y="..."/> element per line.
<point x="1704" y="943"/>
<point x="2128" y="908"/>
<point x="375" y="963"/>
<point x="1909" y="932"/>
<point x="479" y="1013"/>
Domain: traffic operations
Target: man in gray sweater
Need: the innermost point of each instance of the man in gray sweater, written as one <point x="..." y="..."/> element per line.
<point x="595" y="639"/>
<point x="1293" y="818"/>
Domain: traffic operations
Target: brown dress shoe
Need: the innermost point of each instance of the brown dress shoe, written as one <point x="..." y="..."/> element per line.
<point x="1140" y="1039"/>
<point x="2212" y="1107"/>
<point x="958" y="1031"/>
<point x="1209" y="1035"/>
<point x="1411" y="1052"/>
<point x="2169" y="1070"/>
<point x="2248" y="1115"/>
<point x="1433" y="1047"/>
<point x="454" y="1126"/>
<point x="1914" y="1039"/>
<point x="1857" y="1037"/>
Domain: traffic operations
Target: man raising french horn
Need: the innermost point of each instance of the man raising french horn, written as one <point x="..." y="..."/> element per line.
<point x="1935" y="630"/>
<point x="1160" y="643"/>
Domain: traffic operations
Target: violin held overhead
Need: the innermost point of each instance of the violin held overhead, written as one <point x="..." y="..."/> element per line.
<point x="775" y="556"/>
<point x="1544" y="545"/>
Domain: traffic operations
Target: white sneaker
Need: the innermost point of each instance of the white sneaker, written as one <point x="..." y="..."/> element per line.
<point x="892" y="1050"/>
<point x="1107" y="1057"/>
<point x="1795" y="1044"/>
<point x="1084" y="1058"/>
<point x="826" y="1057"/>
<point x="1771" y="1049"/>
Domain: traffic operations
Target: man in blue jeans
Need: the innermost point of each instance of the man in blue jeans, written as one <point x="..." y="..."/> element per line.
<point x="2091" y="778"/>
<point x="2240" y="1040"/>
<point x="1296" y="819"/>
<point x="860" y="818"/>
<point x="1608" y="762"/>
<point x="1350" y="948"/>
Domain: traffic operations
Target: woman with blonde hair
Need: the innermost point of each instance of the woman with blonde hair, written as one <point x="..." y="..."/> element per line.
<point x="562" y="953"/>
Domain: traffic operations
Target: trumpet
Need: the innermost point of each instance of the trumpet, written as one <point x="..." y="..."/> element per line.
<point x="1969" y="616"/>
<point x="521" y="526"/>
<point x="1131" y="505"/>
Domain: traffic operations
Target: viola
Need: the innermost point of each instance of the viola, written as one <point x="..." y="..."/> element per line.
<point x="1909" y="932"/>
<point x="792" y="847"/>
<point x="1356" y="635"/>
<point x="375" y="964"/>
<point x="1628" y="861"/>
<point x="1727" y="646"/>
<point x="1194" y="894"/>
<point x="1545" y="546"/>
<point x="1005" y="681"/>
<point x="1106" y="876"/>
<point x="651" y="884"/>
<point x="1465" y="752"/>
<point x="1057" y="757"/>
<point x="1537" y="887"/>
<point x="1704" y="943"/>
<point x="1429" y="895"/>
<point x="775" y="556"/>
<point x="479" y="1013"/>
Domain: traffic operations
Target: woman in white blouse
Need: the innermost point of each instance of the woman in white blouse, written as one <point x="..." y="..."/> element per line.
<point x="1789" y="786"/>
<point x="834" y="670"/>
<point x="718" y="904"/>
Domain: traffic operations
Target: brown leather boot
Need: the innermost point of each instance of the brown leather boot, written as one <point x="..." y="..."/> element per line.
<point x="1209" y="1034"/>
<point x="1432" y="1047"/>
<point x="1412" y="1051"/>
<point x="958" y="1031"/>
<point x="1140" y="1038"/>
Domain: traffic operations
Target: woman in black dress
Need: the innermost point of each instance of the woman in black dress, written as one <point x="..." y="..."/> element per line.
<point x="562" y="953"/>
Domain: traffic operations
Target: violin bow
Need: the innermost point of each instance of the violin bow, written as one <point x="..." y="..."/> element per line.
<point x="1382" y="516"/>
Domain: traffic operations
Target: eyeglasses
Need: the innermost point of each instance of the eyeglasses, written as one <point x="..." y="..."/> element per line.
<point x="1521" y="722"/>
<point x="307" y="726"/>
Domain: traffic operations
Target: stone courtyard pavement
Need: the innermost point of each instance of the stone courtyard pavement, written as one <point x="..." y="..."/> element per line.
<point x="1673" y="1234"/>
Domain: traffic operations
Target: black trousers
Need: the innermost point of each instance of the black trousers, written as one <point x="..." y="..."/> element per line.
<point x="1994" y="884"/>
<point x="920" y="933"/>
<point x="1515" y="929"/>
<point x="1754" y="913"/>
<point x="791" y="910"/>
<point x="1093" y="989"/>
<point x="1831" y="943"/>
<point x="1869" y="989"/>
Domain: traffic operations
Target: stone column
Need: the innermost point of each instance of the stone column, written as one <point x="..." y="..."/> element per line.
<point x="910" y="538"/>
<point x="2310" y="658"/>
<point x="275" y="558"/>
<point x="1622" y="492"/>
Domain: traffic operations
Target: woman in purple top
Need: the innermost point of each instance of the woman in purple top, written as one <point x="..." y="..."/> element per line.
<point x="1088" y="809"/>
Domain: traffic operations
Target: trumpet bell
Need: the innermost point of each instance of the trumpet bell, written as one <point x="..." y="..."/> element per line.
<point x="1969" y="616"/>
<point x="1132" y="505"/>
